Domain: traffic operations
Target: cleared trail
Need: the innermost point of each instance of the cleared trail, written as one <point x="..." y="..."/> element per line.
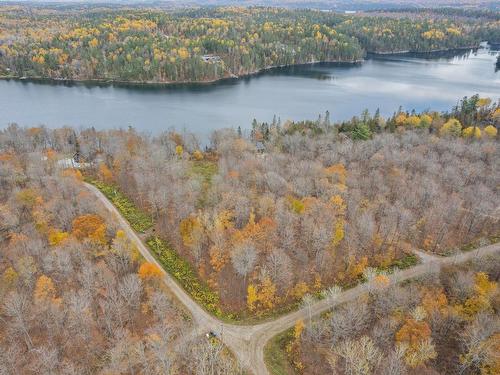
<point x="247" y="341"/>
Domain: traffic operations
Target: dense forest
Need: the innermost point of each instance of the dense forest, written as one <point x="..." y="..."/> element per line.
<point x="311" y="247"/>
<point x="447" y="323"/>
<point x="204" y="44"/>
<point x="75" y="295"/>
<point x="265" y="217"/>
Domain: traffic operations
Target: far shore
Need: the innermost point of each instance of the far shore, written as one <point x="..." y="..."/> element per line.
<point x="117" y="82"/>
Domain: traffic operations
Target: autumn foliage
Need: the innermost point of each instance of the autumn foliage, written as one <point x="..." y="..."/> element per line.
<point x="89" y="226"/>
<point x="149" y="271"/>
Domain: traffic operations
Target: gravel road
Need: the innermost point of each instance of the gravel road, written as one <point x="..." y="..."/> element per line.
<point x="247" y="341"/>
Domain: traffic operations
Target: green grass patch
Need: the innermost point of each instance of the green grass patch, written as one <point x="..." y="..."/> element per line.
<point x="138" y="219"/>
<point x="476" y="244"/>
<point x="275" y="355"/>
<point x="182" y="271"/>
<point x="408" y="261"/>
<point x="203" y="170"/>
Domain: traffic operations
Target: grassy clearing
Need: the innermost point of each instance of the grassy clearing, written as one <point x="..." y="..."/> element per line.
<point x="407" y="261"/>
<point x="182" y="271"/>
<point x="476" y="244"/>
<point x="203" y="170"/>
<point x="275" y="355"/>
<point x="138" y="219"/>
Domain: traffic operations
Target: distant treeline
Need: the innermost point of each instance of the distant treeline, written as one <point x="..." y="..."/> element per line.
<point x="205" y="44"/>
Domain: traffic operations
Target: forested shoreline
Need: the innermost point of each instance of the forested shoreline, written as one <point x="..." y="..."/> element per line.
<point x="209" y="44"/>
<point x="363" y="245"/>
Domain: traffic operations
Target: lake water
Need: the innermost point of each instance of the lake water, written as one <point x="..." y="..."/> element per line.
<point x="296" y="93"/>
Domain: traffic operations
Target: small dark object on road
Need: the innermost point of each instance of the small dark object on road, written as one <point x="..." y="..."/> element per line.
<point x="211" y="334"/>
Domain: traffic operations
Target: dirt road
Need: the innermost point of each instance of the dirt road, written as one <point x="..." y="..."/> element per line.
<point x="247" y="341"/>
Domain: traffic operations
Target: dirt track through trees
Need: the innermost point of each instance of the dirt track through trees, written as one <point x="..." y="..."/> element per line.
<point x="247" y="341"/>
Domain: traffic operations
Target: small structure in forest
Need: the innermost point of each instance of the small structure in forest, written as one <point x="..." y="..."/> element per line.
<point x="260" y="147"/>
<point x="211" y="58"/>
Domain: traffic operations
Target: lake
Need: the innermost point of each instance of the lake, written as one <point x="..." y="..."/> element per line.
<point x="297" y="93"/>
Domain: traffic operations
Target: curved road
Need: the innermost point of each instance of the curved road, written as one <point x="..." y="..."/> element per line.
<point x="247" y="341"/>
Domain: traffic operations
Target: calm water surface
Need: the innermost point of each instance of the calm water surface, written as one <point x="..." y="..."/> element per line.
<point x="290" y="93"/>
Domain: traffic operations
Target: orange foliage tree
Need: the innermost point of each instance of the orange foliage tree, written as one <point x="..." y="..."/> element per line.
<point x="149" y="271"/>
<point x="416" y="337"/>
<point x="91" y="227"/>
<point x="105" y="173"/>
<point x="44" y="289"/>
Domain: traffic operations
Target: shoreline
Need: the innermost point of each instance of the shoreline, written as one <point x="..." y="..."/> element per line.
<point x="157" y="84"/>
<point x="103" y="82"/>
<point x="422" y="53"/>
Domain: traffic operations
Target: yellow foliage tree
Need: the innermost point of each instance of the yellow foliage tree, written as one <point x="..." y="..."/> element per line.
<point x="483" y="285"/>
<point x="490" y="131"/>
<point x="356" y="269"/>
<point x="56" y="237"/>
<point x="400" y="119"/>
<point x="484" y="289"/>
<point x="483" y="102"/>
<point x="425" y="120"/>
<point x="451" y="127"/>
<point x="297" y="206"/>
<point x="300" y="289"/>
<point x="491" y="363"/>
<point x="9" y="278"/>
<point x="188" y="228"/>
<point x="183" y="53"/>
<point x="251" y="297"/>
<point x="29" y="198"/>
<point x="433" y="34"/>
<point x="262" y="296"/>
<point x="474" y="305"/>
<point x="413" y="121"/>
<point x="298" y="329"/>
<point x="224" y="220"/>
<point x="471" y="131"/>
<point x="267" y="294"/>
<point x="338" y="203"/>
<point x="179" y="150"/>
<point x="338" y="233"/>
